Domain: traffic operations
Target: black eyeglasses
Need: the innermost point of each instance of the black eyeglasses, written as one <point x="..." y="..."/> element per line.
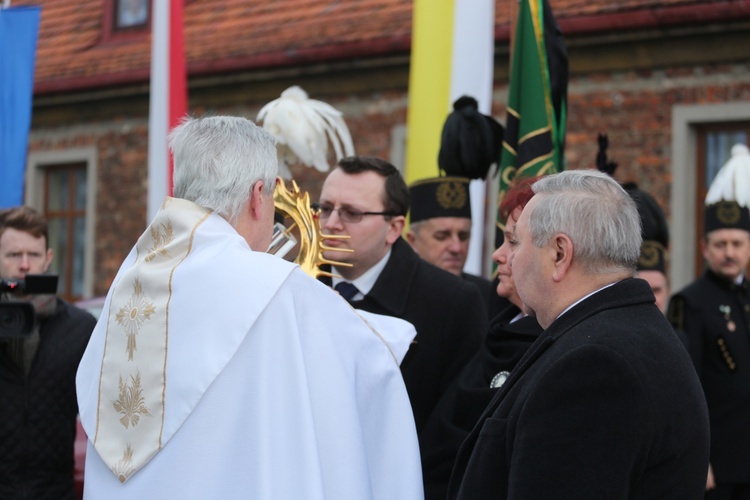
<point x="347" y="214"/>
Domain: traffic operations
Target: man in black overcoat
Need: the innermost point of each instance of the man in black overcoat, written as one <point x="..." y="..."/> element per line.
<point x="714" y="314"/>
<point x="605" y="403"/>
<point x="366" y="199"/>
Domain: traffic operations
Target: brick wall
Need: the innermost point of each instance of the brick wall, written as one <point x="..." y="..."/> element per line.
<point x="633" y="107"/>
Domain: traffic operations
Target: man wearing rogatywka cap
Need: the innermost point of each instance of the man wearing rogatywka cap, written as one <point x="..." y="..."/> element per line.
<point x="440" y="231"/>
<point x="714" y="313"/>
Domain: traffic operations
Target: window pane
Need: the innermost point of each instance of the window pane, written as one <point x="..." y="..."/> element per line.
<point x="58" y="190"/>
<point x="718" y="149"/>
<point x="79" y="227"/>
<point x="80" y="189"/>
<point x="131" y="13"/>
<point x="58" y="237"/>
<point x="66" y="213"/>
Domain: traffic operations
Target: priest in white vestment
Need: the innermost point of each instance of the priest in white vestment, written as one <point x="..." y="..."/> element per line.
<point x="219" y="371"/>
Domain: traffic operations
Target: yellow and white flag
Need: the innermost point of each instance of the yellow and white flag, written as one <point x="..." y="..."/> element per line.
<point x="452" y="55"/>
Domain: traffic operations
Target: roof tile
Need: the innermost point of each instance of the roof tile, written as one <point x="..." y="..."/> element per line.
<point x="72" y="44"/>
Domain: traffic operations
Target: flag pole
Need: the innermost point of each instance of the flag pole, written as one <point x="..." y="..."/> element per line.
<point x="534" y="138"/>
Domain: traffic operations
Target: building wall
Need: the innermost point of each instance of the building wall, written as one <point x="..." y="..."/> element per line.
<point x="626" y="88"/>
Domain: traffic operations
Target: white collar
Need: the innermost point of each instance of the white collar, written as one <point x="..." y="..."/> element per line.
<point x="518" y="316"/>
<point x="584" y="298"/>
<point x="367" y="280"/>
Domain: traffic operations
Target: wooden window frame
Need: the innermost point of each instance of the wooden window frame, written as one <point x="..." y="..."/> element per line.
<point x="69" y="213"/>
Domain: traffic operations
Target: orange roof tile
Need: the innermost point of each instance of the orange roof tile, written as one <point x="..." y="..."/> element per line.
<point x="228" y="35"/>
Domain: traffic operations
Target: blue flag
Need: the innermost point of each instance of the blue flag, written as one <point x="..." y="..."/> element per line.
<point x="19" y="27"/>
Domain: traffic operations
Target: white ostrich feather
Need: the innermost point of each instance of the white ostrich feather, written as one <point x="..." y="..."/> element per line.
<point x="732" y="182"/>
<point x="303" y="127"/>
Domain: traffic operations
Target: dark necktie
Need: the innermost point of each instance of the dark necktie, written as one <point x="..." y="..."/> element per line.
<point x="347" y="290"/>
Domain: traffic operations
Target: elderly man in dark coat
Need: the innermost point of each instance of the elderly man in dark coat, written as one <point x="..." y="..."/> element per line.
<point x="606" y="403"/>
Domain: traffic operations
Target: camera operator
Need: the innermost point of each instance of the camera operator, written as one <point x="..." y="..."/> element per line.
<point x="37" y="373"/>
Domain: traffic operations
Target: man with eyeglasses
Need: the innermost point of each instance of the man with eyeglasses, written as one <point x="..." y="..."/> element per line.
<point x="366" y="199"/>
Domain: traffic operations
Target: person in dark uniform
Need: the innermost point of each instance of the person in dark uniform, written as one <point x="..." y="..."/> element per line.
<point x="605" y="403"/>
<point x="655" y="231"/>
<point x="714" y="313"/>
<point x="440" y="231"/>
<point x="366" y="199"/>
<point x="510" y="333"/>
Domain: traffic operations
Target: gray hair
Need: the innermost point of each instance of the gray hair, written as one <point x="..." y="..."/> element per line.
<point x="219" y="159"/>
<point x="416" y="227"/>
<point x="595" y="212"/>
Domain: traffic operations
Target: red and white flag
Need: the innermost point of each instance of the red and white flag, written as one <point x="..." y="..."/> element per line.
<point x="168" y="97"/>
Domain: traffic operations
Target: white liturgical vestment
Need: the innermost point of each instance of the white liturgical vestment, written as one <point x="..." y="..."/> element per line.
<point x="219" y="372"/>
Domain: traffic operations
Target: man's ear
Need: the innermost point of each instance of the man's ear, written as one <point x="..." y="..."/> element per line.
<point x="395" y="228"/>
<point x="704" y="246"/>
<point x="562" y="248"/>
<point x="48" y="259"/>
<point x="410" y="236"/>
<point x="256" y="200"/>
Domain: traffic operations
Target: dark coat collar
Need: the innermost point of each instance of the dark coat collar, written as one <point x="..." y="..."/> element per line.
<point x="630" y="291"/>
<point x="391" y="289"/>
<point x="726" y="284"/>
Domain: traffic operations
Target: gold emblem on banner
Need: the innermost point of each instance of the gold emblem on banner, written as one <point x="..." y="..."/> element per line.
<point x="452" y="194"/>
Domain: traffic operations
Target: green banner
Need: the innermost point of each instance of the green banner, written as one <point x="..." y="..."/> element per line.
<point x="535" y="125"/>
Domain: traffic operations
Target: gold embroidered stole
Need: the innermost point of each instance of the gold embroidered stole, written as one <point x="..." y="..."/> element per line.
<point x="132" y="383"/>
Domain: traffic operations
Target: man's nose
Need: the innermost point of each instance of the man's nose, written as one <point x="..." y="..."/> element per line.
<point x="730" y="252"/>
<point x="25" y="262"/>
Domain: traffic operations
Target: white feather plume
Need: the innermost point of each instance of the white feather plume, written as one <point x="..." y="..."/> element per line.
<point x="303" y="127"/>
<point x="732" y="182"/>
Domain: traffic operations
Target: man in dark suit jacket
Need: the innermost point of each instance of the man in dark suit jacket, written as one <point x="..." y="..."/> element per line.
<point x="366" y="198"/>
<point x="605" y="404"/>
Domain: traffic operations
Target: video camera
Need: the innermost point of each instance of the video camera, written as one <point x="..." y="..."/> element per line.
<point x="17" y="317"/>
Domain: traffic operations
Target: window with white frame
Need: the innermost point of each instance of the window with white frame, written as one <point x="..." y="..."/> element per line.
<point x="702" y="137"/>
